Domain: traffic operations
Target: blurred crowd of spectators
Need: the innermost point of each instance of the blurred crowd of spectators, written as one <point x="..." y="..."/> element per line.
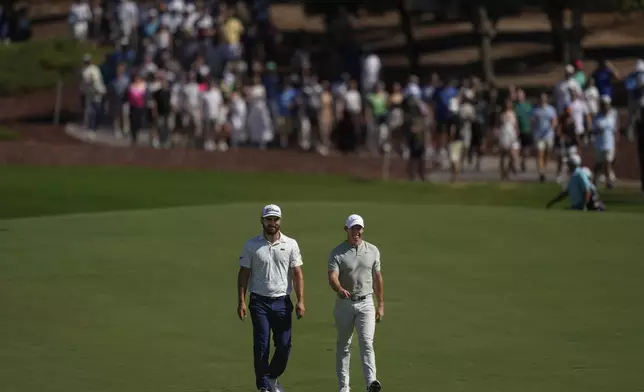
<point x="208" y="74"/>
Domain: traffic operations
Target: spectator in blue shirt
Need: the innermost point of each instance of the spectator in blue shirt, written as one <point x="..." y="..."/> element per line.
<point x="272" y="85"/>
<point x="544" y="123"/>
<point x="604" y="76"/>
<point x="581" y="192"/>
<point x="444" y="111"/>
<point x="287" y="112"/>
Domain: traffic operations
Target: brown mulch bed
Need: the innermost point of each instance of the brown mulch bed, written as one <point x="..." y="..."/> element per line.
<point x="58" y="153"/>
<point x="242" y="160"/>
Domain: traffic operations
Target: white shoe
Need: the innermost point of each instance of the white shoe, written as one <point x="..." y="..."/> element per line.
<point x="322" y="150"/>
<point x="223" y="146"/>
<point x="275" y="385"/>
<point x="91" y="136"/>
<point x="156" y="143"/>
<point x="210" y="146"/>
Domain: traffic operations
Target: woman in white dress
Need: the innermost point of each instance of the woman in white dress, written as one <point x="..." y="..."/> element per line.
<point x="260" y="126"/>
<point x="508" y="135"/>
<point x="237" y="119"/>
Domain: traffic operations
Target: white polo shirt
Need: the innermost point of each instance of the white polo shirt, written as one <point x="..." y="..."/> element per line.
<point x="270" y="264"/>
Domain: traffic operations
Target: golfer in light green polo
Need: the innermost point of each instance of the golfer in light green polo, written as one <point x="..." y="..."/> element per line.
<point x="354" y="274"/>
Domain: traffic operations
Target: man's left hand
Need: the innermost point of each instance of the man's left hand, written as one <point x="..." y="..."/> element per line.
<point x="300" y="309"/>
<point x="380" y="312"/>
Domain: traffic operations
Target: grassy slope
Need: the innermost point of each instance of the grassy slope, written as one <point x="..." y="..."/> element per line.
<point x="41" y="63"/>
<point x="28" y="191"/>
<point x="478" y="299"/>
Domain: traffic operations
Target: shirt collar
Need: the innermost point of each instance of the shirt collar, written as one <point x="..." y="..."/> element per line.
<point x="281" y="240"/>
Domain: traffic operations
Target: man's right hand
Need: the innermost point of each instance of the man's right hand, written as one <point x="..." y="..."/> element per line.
<point x="342" y="293"/>
<point x="242" y="312"/>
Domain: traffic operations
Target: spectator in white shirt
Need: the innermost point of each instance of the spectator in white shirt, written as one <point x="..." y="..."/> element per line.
<point x="148" y="67"/>
<point x="605" y="126"/>
<point x="353" y="99"/>
<point x="212" y="101"/>
<point x="80" y="15"/>
<point x="191" y="96"/>
<point x="353" y="109"/>
<point x="370" y="72"/>
<point x="191" y="18"/>
<point x="128" y="15"/>
<point x="592" y="97"/>
<point x="238" y="113"/>
<point x="413" y="87"/>
<point x="580" y="113"/>
<point x="260" y="126"/>
<point x="92" y="92"/>
<point x="172" y="19"/>
<point x="563" y="89"/>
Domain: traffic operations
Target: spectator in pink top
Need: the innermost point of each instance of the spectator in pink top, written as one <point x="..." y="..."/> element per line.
<point x="137" y="98"/>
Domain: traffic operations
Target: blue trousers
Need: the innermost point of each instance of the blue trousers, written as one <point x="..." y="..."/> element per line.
<point x="270" y="315"/>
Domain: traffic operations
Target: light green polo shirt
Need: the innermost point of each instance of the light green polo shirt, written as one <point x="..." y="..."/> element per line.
<point x="355" y="266"/>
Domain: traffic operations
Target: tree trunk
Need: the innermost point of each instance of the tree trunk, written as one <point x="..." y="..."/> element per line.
<point x="558" y="33"/>
<point x="577" y="34"/>
<point x="408" y="32"/>
<point x="487" y="32"/>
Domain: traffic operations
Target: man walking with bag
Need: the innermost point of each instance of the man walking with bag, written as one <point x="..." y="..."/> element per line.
<point x="354" y="274"/>
<point x="270" y="265"/>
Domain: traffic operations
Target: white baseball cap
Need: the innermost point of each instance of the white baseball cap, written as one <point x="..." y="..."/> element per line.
<point x="272" y="210"/>
<point x="354" y="220"/>
<point x="575" y="160"/>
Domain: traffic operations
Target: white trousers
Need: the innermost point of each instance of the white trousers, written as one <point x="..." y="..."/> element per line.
<point x="360" y="315"/>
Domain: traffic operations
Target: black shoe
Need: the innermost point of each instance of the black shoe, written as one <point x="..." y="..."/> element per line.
<point x="375" y="386"/>
<point x="542" y="178"/>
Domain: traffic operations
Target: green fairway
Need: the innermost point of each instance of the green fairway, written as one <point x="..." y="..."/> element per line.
<point x="34" y="191"/>
<point x="478" y="297"/>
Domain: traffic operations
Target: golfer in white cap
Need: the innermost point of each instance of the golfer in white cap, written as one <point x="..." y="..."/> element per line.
<point x="270" y="265"/>
<point x="354" y="274"/>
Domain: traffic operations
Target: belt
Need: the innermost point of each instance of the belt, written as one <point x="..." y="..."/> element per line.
<point x="265" y="298"/>
<point x="358" y="298"/>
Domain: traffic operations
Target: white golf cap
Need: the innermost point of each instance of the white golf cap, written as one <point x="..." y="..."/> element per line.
<point x="606" y="99"/>
<point x="575" y="160"/>
<point x="570" y="68"/>
<point x="272" y="210"/>
<point x="354" y="220"/>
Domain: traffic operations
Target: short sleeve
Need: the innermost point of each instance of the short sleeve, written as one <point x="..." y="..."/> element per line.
<point x="333" y="264"/>
<point x="296" y="256"/>
<point x="586" y="182"/>
<point x="552" y="112"/>
<point x="246" y="257"/>
<point x="376" y="262"/>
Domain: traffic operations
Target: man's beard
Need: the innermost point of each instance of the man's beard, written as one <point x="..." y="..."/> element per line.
<point x="271" y="229"/>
